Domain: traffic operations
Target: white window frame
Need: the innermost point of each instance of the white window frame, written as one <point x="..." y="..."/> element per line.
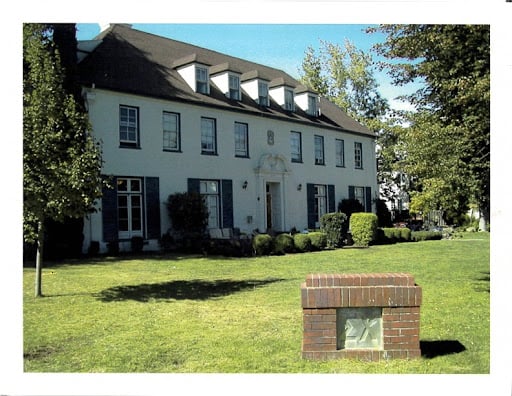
<point x="202" y="80"/>
<point x="132" y="195"/>
<point x="340" y="153"/>
<point x="319" y="150"/>
<point x="289" y="102"/>
<point x="241" y="139"/>
<point x="320" y="202"/>
<point x="358" y="155"/>
<point x="129" y="126"/>
<point x="296" y="146"/>
<point x="359" y="194"/>
<point x="208" y="136"/>
<point x="263" y="94"/>
<point x="234" y="86"/>
<point x="171" y="131"/>
<point x="209" y="190"/>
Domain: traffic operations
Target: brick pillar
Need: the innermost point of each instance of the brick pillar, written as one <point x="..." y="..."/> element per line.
<point x="364" y="316"/>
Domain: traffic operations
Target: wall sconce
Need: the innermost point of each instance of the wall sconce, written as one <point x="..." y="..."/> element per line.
<point x="244" y="185"/>
<point x="299" y="187"/>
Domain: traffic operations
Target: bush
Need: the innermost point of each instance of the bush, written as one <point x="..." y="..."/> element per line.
<point x="349" y="206"/>
<point x="283" y="243"/>
<point x="137" y="244"/>
<point x="318" y="240"/>
<point x="363" y="227"/>
<point x="332" y="224"/>
<point x="262" y="244"/>
<point x="417" y="236"/>
<point x="302" y="242"/>
<point x="188" y="212"/>
<point x="405" y="234"/>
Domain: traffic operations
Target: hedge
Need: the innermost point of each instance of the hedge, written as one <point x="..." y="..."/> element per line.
<point x="363" y="227"/>
<point x="302" y="242"/>
<point x="332" y="224"/>
<point x="318" y="240"/>
<point x="262" y="244"/>
<point x="283" y="243"/>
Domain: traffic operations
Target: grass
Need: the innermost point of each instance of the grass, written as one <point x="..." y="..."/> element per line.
<point x="186" y="314"/>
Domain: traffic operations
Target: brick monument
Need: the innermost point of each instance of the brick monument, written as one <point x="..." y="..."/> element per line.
<point x="363" y="316"/>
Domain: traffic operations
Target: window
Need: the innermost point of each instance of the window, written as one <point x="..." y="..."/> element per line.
<point x="128" y="126"/>
<point x="208" y="136"/>
<point x="202" y="80"/>
<point x="340" y="153"/>
<point x="129" y="207"/>
<point x="359" y="195"/>
<point x="263" y="93"/>
<point x="312" y="105"/>
<point x="319" y="150"/>
<point x="288" y="100"/>
<point x="210" y="191"/>
<point x="234" y="87"/>
<point x="296" y="146"/>
<point x="358" y="155"/>
<point x="320" y="203"/>
<point x="241" y="140"/>
<point x="171" y="131"/>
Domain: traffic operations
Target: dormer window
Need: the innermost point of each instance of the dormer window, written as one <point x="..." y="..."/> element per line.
<point x="202" y="79"/>
<point x="234" y="87"/>
<point x="263" y="93"/>
<point x="312" y="105"/>
<point x="288" y="99"/>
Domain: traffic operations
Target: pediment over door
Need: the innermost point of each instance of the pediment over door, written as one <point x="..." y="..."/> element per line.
<point x="273" y="163"/>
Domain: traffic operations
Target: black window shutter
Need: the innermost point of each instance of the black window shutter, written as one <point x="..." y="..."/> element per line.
<point x="194" y="185"/>
<point x="351" y="192"/>
<point x="331" y="198"/>
<point x="368" y="198"/>
<point x="153" y="207"/>
<point x="109" y="211"/>
<point x="227" y="203"/>
<point x="310" y="191"/>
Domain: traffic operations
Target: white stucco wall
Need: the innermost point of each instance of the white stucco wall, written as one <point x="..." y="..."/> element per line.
<point x="173" y="168"/>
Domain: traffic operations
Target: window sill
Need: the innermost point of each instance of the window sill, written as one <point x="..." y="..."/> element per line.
<point x="171" y="151"/>
<point x="208" y="153"/>
<point x="242" y="156"/>
<point x="128" y="146"/>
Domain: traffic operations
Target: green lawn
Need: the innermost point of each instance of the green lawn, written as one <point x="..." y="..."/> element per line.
<point x="199" y="315"/>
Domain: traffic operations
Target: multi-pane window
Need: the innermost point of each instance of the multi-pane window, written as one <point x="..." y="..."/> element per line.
<point x="209" y="190"/>
<point x="340" y="153"/>
<point x="288" y="99"/>
<point x="128" y="126"/>
<point x="296" y="146"/>
<point x="359" y="195"/>
<point x="208" y="136"/>
<point x="312" y="105"/>
<point x="319" y="150"/>
<point x="129" y="207"/>
<point x="320" y="202"/>
<point x="234" y="87"/>
<point x="358" y="155"/>
<point x="201" y="79"/>
<point x="241" y="140"/>
<point x="262" y="93"/>
<point x="171" y="131"/>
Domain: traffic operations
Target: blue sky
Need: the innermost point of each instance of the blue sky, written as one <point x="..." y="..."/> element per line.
<point x="278" y="45"/>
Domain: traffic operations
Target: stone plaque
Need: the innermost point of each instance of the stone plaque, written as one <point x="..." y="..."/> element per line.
<point x="359" y="328"/>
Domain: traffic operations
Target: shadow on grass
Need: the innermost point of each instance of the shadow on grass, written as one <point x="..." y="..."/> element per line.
<point x="484" y="282"/>
<point x="181" y="290"/>
<point x="433" y="349"/>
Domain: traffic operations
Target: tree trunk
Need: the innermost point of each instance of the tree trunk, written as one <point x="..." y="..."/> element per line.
<point x="39" y="258"/>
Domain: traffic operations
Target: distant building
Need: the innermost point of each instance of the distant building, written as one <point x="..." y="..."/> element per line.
<point x="266" y="152"/>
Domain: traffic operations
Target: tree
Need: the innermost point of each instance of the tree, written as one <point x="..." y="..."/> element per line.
<point x="448" y="144"/>
<point x="61" y="160"/>
<point x="345" y="76"/>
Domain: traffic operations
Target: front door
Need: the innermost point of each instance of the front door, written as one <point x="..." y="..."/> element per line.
<point x="269" y="207"/>
<point x="273" y="206"/>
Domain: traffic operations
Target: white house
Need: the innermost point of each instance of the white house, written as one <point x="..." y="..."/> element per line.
<point x="266" y="152"/>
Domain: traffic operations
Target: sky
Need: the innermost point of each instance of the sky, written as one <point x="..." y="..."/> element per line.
<point x="277" y="45"/>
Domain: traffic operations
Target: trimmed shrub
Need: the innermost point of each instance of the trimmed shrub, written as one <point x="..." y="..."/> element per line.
<point x="262" y="244"/>
<point x="318" y="240"/>
<point x="283" y="243"/>
<point x="417" y="236"/>
<point x="363" y="227"/>
<point x="332" y="224"/>
<point x="302" y="242"/>
<point x="405" y="234"/>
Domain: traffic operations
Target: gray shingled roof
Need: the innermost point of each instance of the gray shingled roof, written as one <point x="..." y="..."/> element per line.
<point x="132" y="61"/>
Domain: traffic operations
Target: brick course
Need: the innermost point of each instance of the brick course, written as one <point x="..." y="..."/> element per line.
<point x="395" y="293"/>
